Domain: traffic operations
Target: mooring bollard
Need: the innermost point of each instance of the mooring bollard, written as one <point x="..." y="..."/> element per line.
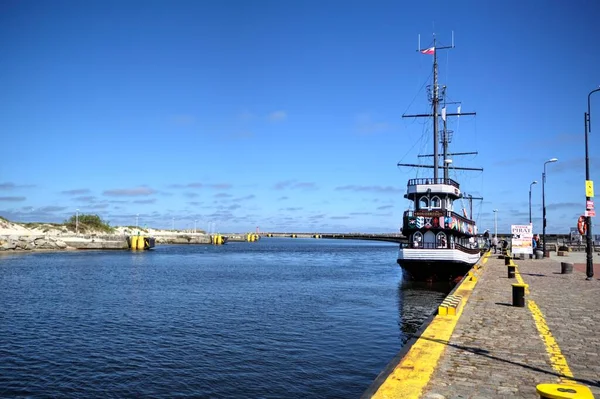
<point x="563" y="391"/>
<point x="511" y="271"/>
<point x="507" y="260"/>
<point x="518" y="294"/>
<point x="566" y="268"/>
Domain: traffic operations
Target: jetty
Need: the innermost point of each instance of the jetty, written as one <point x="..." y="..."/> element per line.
<point x="514" y="328"/>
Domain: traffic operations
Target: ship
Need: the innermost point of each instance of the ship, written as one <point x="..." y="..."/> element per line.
<point x="442" y="242"/>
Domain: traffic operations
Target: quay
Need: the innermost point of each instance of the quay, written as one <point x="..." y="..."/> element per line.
<point x="479" y="345"/>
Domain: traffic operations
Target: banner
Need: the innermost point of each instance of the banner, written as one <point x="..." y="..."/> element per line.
<point x="522" y="235"/>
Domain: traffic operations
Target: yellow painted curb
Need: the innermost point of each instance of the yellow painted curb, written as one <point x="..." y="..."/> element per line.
<point x="413" y="372"/>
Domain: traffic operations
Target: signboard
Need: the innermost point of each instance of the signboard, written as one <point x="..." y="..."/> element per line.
<point x="428" y="213"/>
<point x="589" y="205"/>
<point x="522" y="235"/>
<point x="589" y="188"/>
<point x="590" y="213"/>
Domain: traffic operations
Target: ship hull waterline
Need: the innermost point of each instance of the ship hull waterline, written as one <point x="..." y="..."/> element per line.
<point x="435" y="265"/>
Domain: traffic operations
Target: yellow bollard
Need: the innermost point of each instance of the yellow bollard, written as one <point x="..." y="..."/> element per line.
<point x="140" y="242"/>
<point x="564" y="391"/>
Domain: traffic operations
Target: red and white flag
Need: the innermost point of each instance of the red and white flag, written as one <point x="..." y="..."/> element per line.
<point x="429" y="51"/>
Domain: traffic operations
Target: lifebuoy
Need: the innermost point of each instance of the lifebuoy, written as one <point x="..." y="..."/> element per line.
<point x="581" y="225"/>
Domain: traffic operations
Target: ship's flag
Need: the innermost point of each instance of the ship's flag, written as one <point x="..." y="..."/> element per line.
<point x="458" y="111"/>
<point x="444" y="113"/>
<point x="429" y="51"/>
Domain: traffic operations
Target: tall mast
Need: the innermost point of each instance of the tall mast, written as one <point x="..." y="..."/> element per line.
<point x="435" y="100"/>
<point x="435" y="113"/>
<point x="445" y="141"/>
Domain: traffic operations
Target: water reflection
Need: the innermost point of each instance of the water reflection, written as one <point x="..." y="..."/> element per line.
<point x="417" y="301"/>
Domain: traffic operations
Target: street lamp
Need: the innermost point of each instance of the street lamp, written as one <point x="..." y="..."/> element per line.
<point x="532" y="183"/>
<point x="544" y="206"/>
<point x="589" y="270"/>
<point x="496" y="223"/>
<point x="76" y="221"/>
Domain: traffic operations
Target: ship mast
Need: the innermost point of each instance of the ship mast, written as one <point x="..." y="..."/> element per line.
<point x="435" y="100"/>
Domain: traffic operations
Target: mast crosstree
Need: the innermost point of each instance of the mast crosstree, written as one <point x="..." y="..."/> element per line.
<point x="435" y="99"/>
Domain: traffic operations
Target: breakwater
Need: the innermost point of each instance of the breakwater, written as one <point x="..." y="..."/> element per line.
<point x="16" y="242"/>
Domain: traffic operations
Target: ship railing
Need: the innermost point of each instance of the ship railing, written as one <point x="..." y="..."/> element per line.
<point x="432" y="245"/>
<point x="431" y="180"/>
<point x="435" y="212"/>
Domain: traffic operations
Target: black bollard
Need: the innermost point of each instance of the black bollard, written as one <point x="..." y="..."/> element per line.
<point x="511" y="271"/>
<point x="507" y="260"/>
<point x="518" y="294"/>
<point x="566" y="268"/>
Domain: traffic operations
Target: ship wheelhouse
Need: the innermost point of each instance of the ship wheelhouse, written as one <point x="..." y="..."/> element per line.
<point x="433" y="223"/>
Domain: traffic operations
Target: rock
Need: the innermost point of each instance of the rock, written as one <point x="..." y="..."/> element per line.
<point x="8" y="245"/>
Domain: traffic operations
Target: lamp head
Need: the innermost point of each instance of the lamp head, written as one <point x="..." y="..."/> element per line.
<point x="534" y="182"/>
<point x="553" y="160"/>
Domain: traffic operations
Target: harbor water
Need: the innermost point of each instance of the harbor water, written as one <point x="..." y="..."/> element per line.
<point x="278" y="318"/>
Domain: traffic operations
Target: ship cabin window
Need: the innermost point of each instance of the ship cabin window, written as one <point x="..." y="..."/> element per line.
<point x="441" y="240"/>
<point x="417" y="239"/>
<point x="424" y="203"/>
<point x="436" y="202"/>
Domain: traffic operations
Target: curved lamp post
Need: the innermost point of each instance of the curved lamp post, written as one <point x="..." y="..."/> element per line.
<point x="589" y="270"/>
<point x="532" y="183"/>
<point x="544" y="206"/>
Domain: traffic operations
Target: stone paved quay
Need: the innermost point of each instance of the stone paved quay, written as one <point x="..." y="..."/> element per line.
<point x="496" y="350"/>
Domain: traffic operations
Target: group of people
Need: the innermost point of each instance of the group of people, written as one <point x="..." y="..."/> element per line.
<point x="535" y="243"/>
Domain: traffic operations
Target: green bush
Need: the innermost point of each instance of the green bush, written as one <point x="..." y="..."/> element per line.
<point x="88" y="223"/>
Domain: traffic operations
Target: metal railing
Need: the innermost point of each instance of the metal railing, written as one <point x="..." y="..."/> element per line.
<point x="430" y="180"/>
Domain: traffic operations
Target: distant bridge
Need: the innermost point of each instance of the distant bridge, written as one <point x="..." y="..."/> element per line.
<point x="390" y="237"/>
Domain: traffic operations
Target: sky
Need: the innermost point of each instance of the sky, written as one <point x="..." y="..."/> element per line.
<point x="230" y="115"/>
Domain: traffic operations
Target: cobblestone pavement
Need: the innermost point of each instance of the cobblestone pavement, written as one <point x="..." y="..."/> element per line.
<point x="496" y="350"/>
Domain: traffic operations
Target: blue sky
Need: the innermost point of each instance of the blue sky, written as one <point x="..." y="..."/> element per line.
<point x="287" y="115"/>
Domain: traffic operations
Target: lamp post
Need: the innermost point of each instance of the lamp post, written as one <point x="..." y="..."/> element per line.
<point x="544" y="206"/>
<point x="136" y="220"/>
<point x="532" y="183"/>
<point x="195" y="220"/>
<point x="76" y="221"/>
<point x="496" y="223"/>
<point x="589" y="269"/>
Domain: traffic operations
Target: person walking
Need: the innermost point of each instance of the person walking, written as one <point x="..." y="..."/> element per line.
<point x="495" y="243"/>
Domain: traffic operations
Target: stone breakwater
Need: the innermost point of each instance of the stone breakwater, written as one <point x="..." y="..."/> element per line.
<point x="28" y="243"/>
<point x="15" y="242"/>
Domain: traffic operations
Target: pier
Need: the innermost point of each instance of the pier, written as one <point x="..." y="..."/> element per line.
<point x="486" y="342"/>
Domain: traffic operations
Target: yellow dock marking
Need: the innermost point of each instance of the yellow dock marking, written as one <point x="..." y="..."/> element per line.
<point x="414" y="371"/>
<point x="557" y="360"/>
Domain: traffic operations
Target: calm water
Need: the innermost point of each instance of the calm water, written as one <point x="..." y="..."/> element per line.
<point x="279" y="318"/>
